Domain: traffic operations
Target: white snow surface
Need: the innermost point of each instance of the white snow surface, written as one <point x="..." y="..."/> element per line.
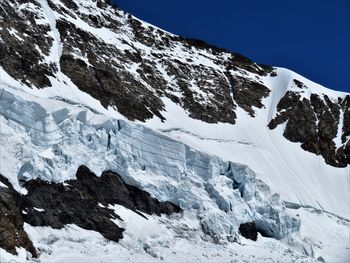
<point x="57" y="46"/>
<point x="167" y="244"/>
<point x="49" y="133"/>
<point x="299" y="176"/>
<point x="176" y="240"/>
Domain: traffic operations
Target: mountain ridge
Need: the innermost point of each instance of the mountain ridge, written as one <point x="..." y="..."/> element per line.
<point x="221" y="137"/>
<point x="210" y="88"/>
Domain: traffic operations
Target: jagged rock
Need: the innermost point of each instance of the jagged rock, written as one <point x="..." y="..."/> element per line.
<point x="298" y="83"/>
<point x="57" y="205"/>
<point x="314" y="123"/>
<point x="12" y="234"/>
<point x="248" y="230"/>
<point x="345" y="104"/>
<point x="111" y="189"/>
<point x="24" y="43"/>
<point x="248" y="94"/>
<point x="82" y="202"/>
<point x="137" y="96"/>
<point x="76" y="202"/>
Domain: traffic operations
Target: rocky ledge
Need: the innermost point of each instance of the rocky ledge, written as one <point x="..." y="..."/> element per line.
<point x="314" y="123"/>
<point x="83" y="202"/>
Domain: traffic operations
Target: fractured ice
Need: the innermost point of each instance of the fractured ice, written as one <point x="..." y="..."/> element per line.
<point x="51" y="144"/>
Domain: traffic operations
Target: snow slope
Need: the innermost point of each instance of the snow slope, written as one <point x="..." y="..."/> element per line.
<point x="48" y="133"/>
<point x="299" y="176"/>
<point x="48" y="139"/>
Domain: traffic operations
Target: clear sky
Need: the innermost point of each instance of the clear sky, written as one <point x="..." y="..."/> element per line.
<point x="311" y="37"/>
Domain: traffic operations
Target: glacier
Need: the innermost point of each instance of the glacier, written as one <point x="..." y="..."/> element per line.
<point x="52" y="144"/>
<point x="49" y="138"/>
<point x="222" y="175"/>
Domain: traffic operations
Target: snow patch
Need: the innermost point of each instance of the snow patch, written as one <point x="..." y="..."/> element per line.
<point x="39" y="209"/>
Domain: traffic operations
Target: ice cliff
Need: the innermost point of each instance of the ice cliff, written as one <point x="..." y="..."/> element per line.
<point x="50" y="144"/>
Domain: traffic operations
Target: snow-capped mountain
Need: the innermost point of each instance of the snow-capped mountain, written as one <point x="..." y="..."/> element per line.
<point x="121" y="141"/>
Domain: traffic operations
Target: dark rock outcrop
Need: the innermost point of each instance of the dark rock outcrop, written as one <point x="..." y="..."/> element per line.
<point x="111" y="189"/>
<point x="77" y="202"/>
<point x="299" y="84"/>
<point x="56" y="205"/>
<point x="314" y="123"/>
<point x="83" y="202"/>
<point x="12" y="234"/>
<point x="107" y="76"/>
<point x="24" y="43"/>
<point x="111" y="82"/>
<point x="247" y="94"/>
<point x="248" y="230"/>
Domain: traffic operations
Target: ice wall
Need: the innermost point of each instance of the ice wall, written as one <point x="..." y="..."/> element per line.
<point x="46" y="140"/>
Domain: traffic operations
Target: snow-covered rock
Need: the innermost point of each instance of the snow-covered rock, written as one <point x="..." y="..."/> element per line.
<point x="204" y="128"/>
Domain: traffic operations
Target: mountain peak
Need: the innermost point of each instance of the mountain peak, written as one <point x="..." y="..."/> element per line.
<point x="177" y="122"/>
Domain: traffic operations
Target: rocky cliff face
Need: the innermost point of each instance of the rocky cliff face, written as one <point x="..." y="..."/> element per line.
<point x="25" y="43"/>
<point x="192" y="143"/>
<point x="144" y="64"/>
<point x="132" y="66"/>
<point x="83" y="202"/>
<point x="12" y="234"/>
<point x="315" y="122"/>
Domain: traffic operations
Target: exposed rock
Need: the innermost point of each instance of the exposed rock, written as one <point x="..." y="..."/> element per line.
<point x="248" y="230"/>
<point x="238" y="61"/>
<point x="345" y="105"/>
<point x="247" y="93"/>
<point x="56" y="205"/>
<point x="314" y="123"/>
<point x="112" y="85"/>
<point x="83" y="202"/>
<point x="76" y="202"/>
<point x="107" y="75"/>
<point x="111" y="189"/>
<point x="24" y="43"/>
<point x="12" y="234"/>
<point x="70" y="4"/>
<point x="298" y="83"/>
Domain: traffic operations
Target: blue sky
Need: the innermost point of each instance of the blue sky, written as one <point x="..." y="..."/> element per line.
<point x="311" y="37"/>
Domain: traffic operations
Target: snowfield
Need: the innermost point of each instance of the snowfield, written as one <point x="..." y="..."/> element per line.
<point x="299" y="176"/>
